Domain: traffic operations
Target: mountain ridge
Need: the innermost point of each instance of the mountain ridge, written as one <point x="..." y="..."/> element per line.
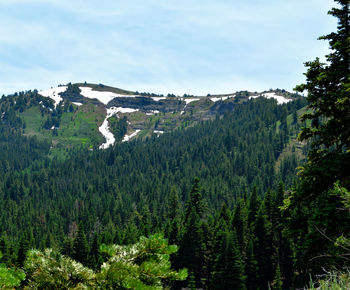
<point x="98" y="116"/>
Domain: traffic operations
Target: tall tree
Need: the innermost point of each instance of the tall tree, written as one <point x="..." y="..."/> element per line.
<point x="192" y="248"/>
<point x="80" y="246"/>
<point x="312" y="210"/>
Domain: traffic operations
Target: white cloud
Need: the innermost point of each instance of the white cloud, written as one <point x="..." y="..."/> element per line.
<point x="162" y="46"/>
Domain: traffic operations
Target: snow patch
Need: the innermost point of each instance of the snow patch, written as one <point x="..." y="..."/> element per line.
<point x="128" y="137"/>
<point x="190" y="100"/>
<point x="152" y="112"/>
<point x="187" y="102"/>
<point x="158" y="98"/>
<point x="77" y="104"/>
<point x="104" y="128"/>
<point x="54" y="94"/>
<point x="158" y="132"/>
<point x="215" y="99"/>
<point x="122" y="110"/>
<point x="103" y="97"/>
<point x="280" y="99"/>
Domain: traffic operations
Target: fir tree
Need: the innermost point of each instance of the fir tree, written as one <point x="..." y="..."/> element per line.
<point x="80" y="246"/>
<point x="312" y="211"/>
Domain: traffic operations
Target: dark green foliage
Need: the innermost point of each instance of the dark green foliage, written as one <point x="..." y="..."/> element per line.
<point x="229" y="267"/>
<point x="72" y="89"/>
<point x="192" y="247"/>
<point x="80" y="246"/>
<point x="118" y="127"/>
<point x="142" y="187"/>
<point x="24" y="247"/>
<point x="313" y="214"/>
<point x="251" y="268"/>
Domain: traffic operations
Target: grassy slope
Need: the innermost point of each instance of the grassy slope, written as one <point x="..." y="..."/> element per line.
<point x="79" y="128"/>
<point x="294" y="147"/>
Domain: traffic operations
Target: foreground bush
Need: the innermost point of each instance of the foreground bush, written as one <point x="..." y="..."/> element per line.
<point x="144" y="265"/>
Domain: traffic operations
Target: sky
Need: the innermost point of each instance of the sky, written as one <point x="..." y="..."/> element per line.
<point x="166" y="46"/>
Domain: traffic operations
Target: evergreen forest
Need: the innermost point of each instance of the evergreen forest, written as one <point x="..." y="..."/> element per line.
<point x="256" y="198"/>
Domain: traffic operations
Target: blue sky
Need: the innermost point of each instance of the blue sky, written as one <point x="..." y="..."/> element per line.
<point x="164" y="46"/>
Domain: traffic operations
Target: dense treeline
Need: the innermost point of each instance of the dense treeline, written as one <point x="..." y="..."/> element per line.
<point x="236" y="225"/>
<point x="116" y="195"/>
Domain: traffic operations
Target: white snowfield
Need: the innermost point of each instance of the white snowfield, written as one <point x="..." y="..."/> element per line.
<point x="152" y="112"/>
<point x="77" y="103"/>
<point x="104" y="128"/>
<point x="187" y="102"/>
<point x="128" y="137"/>
<point x="121" y="110"/>
<point x="158" y="98"/>
<point x="103" y="97"/>
<point x="190" y="100"/>
<point x="54" y="94"/>
<point x="158" y="132"/>
<point x="215" y="99"/>
<point x="280" y="99"/>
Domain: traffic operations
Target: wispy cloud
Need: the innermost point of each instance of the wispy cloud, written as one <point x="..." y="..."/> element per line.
<point x="164" y="46"/>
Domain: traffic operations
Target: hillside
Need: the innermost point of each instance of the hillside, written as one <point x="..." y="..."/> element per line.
<point x="62" y="186"/>
<point x="97" y="116"/>
<point x="243" y="149"/>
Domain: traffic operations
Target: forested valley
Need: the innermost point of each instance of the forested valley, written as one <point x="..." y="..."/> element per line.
<point x="257" y="198"/>
<point x="207" y="181"/>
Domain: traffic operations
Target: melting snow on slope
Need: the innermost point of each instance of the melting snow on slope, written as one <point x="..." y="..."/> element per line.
<point x="280" y="99"/>
<point x="187" y="102"/>
<point x="190" y="100"/>
<point x="158" y="98"/>
<point x="54" y="94"/>
<point x="77" y="103"/>
<point x="158" y="132"/>
<point x="128" y="137"/>
<point x="103" y="97"/>
<point x="152" y="112"/>
<point x="104" y="128"/>
<point x="215" y="99"/>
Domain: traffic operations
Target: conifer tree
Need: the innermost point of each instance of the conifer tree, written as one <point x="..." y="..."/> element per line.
<point x="263" y="249"/>
<point x="312" y="211"/>
<point x="24" y="246"/>
<point x="239" y="223"/>
<point x="251" y="268"/>
<point x="229" y="267"/>
<point x="192" y="248"/>
<point x="80" y="246"/>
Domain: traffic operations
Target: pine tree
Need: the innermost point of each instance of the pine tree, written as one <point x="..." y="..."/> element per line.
<point x="239" y="223"/>
<point x="263" y="249"/>
<point x="229" y="267"/>
<point x="80" y="246"/>
<point x="251" y="268"/>
<point x="195" y="204"/>
<point x="192" y="247"/>
<point x="277" y="282"/>
<point x="24" y="246"/>
<point x="312" y="210"/>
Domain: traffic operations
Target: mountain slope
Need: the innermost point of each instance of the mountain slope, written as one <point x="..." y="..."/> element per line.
<point x="231" y="154"/>
<point x="97" y="116"/>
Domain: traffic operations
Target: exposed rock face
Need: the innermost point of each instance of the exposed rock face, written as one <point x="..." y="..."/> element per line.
<point x="221" y="107"/>
<point x="148" y="104"/>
